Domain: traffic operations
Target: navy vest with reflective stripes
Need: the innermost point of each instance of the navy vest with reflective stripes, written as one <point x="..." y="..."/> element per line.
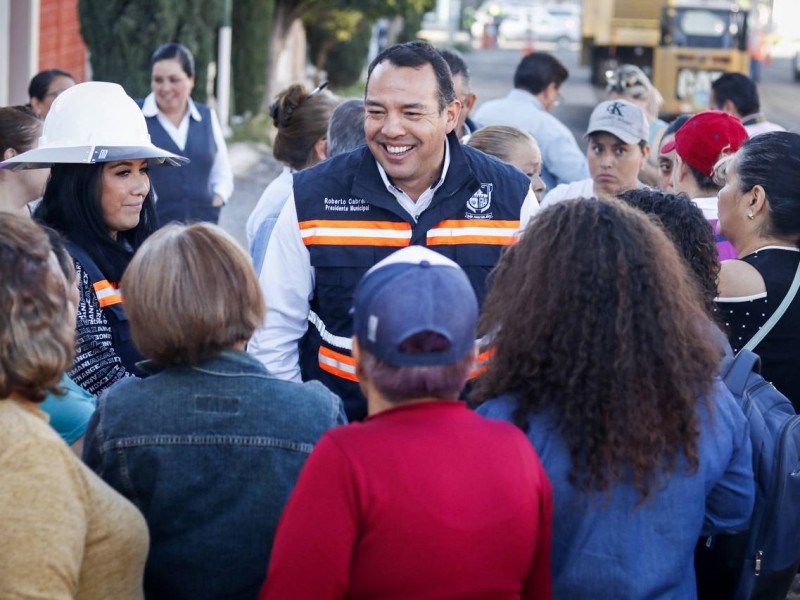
<point x="185" y="194"/>
<point x="349" y="222"/>
<point x="110" y="301"/>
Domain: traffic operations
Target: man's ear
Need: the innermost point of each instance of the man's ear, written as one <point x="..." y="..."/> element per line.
<point x="9" y="153"/>
<point x="469" y="104"/>
<point x="452" y="111"/>
<point x="729" y="107"/>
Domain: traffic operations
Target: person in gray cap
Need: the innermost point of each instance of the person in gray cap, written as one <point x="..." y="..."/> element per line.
<point x="618" y="149"/>
<point x="425" y="498"/>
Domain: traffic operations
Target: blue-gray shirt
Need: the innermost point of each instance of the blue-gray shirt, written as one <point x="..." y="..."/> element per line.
<point x="606" y="546"/>
<point x="562" y="159"/>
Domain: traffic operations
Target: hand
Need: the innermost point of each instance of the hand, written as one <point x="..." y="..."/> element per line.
<point x="217" y="201"/>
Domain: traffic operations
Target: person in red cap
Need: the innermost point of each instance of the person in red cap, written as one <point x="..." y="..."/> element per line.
<point x="699" y="144"/>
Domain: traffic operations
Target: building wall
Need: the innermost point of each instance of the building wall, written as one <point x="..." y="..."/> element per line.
<point x="19" y="41"/>
<point x="60" y="42"/>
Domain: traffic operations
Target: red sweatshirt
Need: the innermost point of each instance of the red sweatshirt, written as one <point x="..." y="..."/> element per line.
<point x="426" y="500"/>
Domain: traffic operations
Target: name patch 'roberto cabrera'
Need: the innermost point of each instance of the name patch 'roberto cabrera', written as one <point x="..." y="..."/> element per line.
<point x="346" y="204"/>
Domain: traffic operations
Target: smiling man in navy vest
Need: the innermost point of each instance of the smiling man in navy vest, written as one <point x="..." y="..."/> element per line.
<point x="412" y="184"/>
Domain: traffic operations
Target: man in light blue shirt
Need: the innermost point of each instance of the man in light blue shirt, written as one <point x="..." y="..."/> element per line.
<point x="537" y="81"/>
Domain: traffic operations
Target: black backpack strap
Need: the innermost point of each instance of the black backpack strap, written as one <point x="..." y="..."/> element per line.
<point x="739" y="370"/>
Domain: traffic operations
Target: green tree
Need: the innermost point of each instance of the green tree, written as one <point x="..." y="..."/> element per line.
<point x="339" y="44"/>
<point x="122" y="34"/>
<point x="339" y="31"/>
<point x="252" y="23"/>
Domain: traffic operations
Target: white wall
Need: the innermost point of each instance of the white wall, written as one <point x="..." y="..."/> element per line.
<point x="19" y="49"/>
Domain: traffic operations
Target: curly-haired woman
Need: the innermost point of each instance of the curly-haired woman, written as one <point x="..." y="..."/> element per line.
<point x="612" y="377"/>
<point x="684" y="223"/>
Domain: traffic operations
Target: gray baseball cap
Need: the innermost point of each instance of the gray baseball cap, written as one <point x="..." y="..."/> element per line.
<point x="620" y="118"/>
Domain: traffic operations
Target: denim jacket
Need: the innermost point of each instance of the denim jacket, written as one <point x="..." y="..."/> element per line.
<point x="608" y="546"/>
<point x="209" y="454"/>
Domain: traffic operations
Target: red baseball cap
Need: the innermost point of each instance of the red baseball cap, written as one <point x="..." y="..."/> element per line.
<point x="705" y="136"/>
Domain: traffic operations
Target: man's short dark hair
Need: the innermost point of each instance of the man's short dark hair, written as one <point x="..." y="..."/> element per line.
<point x="538" y="70"/>
<point x="346" y="127"/>
<point x="704" y="181"/>
<point x="456" y="63"/>
<point x="416" y="55"/>
<point x="740" y="90"/>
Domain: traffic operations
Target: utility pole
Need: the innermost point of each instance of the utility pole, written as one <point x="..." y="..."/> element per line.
<point x="224" y="68"/>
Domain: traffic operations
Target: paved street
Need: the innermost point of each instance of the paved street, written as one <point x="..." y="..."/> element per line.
<point x="492" y="74"/>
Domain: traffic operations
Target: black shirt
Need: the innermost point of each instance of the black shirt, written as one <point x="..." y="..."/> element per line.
<point x="744" y="316"/>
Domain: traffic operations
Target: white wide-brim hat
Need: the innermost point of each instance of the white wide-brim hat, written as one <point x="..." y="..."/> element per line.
<point x="89" y="123"/>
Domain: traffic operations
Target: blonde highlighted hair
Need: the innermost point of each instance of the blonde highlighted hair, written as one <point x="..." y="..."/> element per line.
<point x="500" y="141"/>
<point x="190" y="293"/>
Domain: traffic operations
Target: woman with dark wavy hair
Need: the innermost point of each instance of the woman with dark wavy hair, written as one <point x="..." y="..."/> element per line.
<point x="612" y="378"/>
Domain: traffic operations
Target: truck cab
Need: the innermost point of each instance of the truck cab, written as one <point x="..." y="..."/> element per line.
<point x="683" y="45"/>
<point x="698" y="43"/>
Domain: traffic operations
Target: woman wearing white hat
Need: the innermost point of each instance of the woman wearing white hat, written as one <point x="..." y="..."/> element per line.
<point x="99" y="197"/>
<point x="617" y="152"/>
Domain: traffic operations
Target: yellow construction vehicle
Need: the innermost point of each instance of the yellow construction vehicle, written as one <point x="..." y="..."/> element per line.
<point x="683" y="45"/>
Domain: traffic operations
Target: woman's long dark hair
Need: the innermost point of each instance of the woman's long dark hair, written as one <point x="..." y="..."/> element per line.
<point x="595" y="320"/>
<point x="71" y="206"/>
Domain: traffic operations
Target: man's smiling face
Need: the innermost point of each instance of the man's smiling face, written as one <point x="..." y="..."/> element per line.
<point x="404" y="126"/>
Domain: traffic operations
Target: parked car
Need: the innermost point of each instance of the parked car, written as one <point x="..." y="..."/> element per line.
<point x="526" y="21"/>
<point x="559" y="24"/>
<point x="436" y="32"/>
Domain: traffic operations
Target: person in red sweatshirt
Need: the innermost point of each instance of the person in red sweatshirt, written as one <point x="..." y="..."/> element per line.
<point x="424" y="499"/>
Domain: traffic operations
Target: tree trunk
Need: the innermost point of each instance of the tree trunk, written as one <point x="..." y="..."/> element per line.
<point x="283" y="23"/>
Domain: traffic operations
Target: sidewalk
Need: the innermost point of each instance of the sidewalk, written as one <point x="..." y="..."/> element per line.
<point x="253" y="169"/>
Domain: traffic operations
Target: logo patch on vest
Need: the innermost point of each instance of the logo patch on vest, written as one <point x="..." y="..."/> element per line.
<point x="480" y="202"/>
<point x="346" y="204"/>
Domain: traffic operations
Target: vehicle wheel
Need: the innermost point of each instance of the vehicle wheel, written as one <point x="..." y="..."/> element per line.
<point x="563" y="42"/>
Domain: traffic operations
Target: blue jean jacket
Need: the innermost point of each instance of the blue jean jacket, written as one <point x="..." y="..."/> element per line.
<point x="607" y="546"/>
<point x="209" y="454"/>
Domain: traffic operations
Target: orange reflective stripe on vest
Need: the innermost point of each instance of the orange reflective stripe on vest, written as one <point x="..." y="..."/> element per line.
<point x="344" y="366"/>
<point x="338" y="364"/>
<point x="469" y="231"/>
<point x="107" y="293"/>
<point x="355" y="233"/>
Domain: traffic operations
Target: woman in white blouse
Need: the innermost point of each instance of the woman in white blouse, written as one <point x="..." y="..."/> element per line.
<point x="190" y="129"/>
